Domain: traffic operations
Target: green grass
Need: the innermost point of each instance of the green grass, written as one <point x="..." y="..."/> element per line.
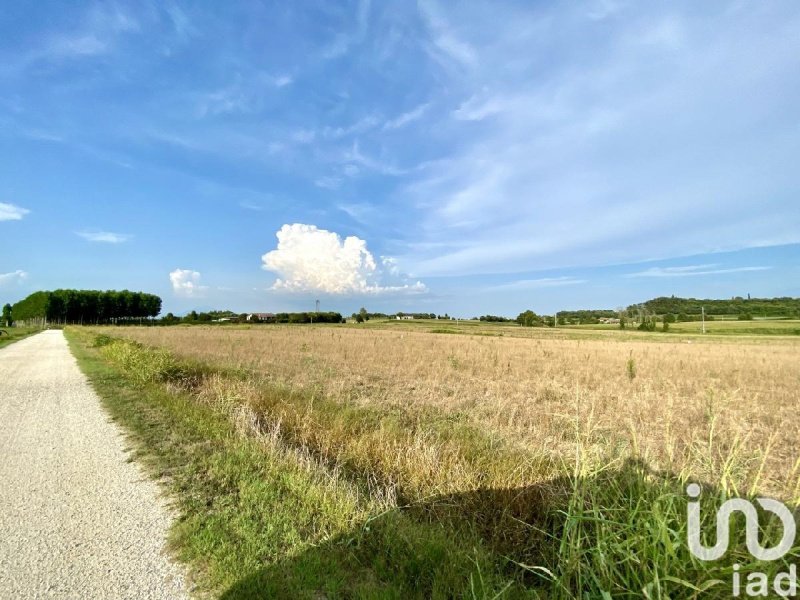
<point x="719" y="327"/>
<point x="730" y="327"/>
<point x="261" y="521"/>
<point x="14" y="334"/>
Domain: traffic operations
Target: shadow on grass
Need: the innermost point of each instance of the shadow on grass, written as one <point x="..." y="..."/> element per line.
<point x="617" y="532"/>
<point x="620" y="533"/>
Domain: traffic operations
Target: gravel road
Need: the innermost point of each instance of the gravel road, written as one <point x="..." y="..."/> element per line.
<point x="77" y="520"/>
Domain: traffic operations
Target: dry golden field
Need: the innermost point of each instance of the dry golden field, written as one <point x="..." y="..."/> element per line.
<point x="722" y="410"/>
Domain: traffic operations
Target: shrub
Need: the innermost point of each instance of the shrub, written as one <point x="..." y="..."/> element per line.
<point x="631" y="368"/>
<point x="648" y="324"/>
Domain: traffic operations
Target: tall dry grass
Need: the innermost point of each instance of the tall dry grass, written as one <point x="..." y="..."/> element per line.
<point x="689" y="407"/>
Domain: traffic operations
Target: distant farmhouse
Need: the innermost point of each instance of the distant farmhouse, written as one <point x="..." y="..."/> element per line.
<point x="258" y="317"/>
<point x="405" y="317"/>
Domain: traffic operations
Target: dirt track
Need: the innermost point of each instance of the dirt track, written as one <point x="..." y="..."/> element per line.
<point x="77" y="520"/>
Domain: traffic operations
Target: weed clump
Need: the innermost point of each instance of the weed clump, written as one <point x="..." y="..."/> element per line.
<point x="631" y="368"/>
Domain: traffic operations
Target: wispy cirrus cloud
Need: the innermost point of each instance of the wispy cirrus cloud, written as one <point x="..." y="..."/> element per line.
<point x="329" y="182"/>
<point x="104" y="237"/>
<point x="12" y="212"/>
<point x="548" y="168"/>
<point x="447" y="44"/>
<point x="247" y="205"/>
<point x="358" y="211"/>
<point x="542" y="282"/>
<point x="384" y="167"/>
<point x="362" y="125"/>
<point x="693" y="271"/>
<point x="407" y="117"/>
<point x="350" y="35"/>
<point x="245" y="95"/>
<point x="96" y="34"/>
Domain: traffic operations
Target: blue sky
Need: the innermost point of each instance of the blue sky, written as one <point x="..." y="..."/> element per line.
<point x="463" y="157"/>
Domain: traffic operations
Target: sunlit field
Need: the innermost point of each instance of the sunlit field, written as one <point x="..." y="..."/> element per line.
<point x="666" y="397"/>
<point x="547" y="457"/>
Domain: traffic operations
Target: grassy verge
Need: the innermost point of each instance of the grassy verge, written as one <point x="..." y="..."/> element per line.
<point x="287" y="494"/>
<point x="259" y="520"/>
<point x="14" y="334"/>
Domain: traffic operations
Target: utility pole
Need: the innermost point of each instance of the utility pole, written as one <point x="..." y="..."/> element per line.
<point x="316" y="307"/>
<point x="703" y="317"/>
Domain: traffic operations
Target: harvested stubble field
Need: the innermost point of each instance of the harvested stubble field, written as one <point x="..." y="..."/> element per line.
<point x="542" y="391"/>
<point x="563" y="453"/>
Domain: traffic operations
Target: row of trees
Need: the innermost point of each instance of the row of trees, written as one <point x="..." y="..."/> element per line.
<point x="364" y="315"/>
<point x="85" y="306"/>
<point x="229" y="316"/>
<point x="585" y="317"/>
<point x="309" y="317"/>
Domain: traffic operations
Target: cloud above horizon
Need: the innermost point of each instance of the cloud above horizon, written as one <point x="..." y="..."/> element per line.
<point x="541" y="282"/>
<point x="105" y="237"/>
<point x="693" y="270"/>
<point x="622" y="146"/>
<point x="12" y="212"/>
<point x="309" y="259"/>
<point x="17" y="276"/>
<point x="186" y="283"/>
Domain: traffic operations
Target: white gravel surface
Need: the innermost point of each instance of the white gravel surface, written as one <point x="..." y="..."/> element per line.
<point x="77" y="519"/>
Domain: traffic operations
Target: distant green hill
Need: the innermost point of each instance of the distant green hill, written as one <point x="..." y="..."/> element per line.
<point x="689" y="309"/>
<point x="757" y="307"/>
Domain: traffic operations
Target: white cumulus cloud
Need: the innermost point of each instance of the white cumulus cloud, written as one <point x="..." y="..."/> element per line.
<point x="309" y="259"/>
<point x="13" y="277"/>
<point x="11" y="212"/>
<point x="186" y="283"/>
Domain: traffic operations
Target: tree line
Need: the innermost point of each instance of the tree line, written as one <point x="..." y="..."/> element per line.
<point x="762" y="307"/>
<point x="308" y="317"/>
<point x="85" y="306"/>
<point x="670" y="310"/>
<point x="227" y="316"/>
